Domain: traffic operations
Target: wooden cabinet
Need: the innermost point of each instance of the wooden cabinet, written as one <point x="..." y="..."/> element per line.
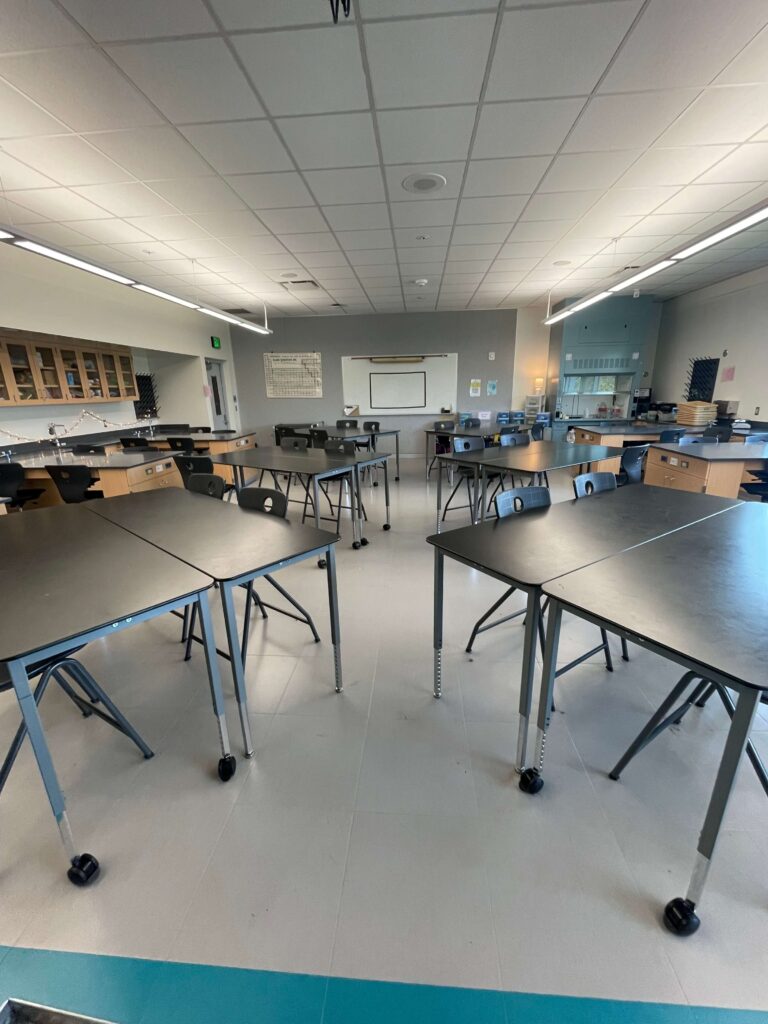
<point x="43" y="369"/>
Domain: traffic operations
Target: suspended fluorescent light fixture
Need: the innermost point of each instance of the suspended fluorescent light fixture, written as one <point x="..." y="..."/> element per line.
<point x="558" y="316"/>
<point x="220" y="316"/>
<point x="72" y="261"/>
<point x="164" y="295"/>
<point x="575" y="309"/>
<point x="258" y="328"/>
<point x="641" y="276"/>
<point x="719" y="236"/>
<point x="4" y="235"/>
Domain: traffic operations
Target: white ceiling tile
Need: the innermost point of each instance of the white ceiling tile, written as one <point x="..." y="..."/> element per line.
<point x="557" y="51"/>
<point x="427" y="238"/>
<point x="462" y="266"/>
<point x="435" y="134"/>
<point x="35" y="25"/>
<point x="471" y="233"/>
<point x="354" y="185"/>
<point x="329" y="260"/>
<point x="149" y="251"/>
<point x="14" y="174"/>
<point x="720" y="115"/>
<point x="680" y="166"/>
<point x="514" y="265"/>
<point x="428" y="270"/>
<point x="271" y="191"/>
<point x="422" y="254"/>
<point x="396" y="8"/>
<point x="331" y="140"/>
<point x="357" y="216"/>
<point x="529" y="128"/>
<point x="311" y="242"/>
<point x="626" y="201"/>
<point x="53" y="204"/>
<point x="407" y="60"/>
<point x="250" y="246"/>
<point x="681" y="44"/>
<point x="239" y="147"/>
<point x="112" y="230"/>
<point x="540" y="230"/>
<point x="364" y="239"/>
<point x="195" y="248"/>
<point x="230" y="222"/>
<point x="519" y="176"/>
<point x="79" y="86"/>
<point x="472" y="252"/>
<point x="490" y="210"/>
<point x="99" y="254"/>
<point x="560" y="205"/>
<point x="20" y="116"/>
<point x="516" y="250"/>
<point x="245" y="14"/>
<point x="66" y="158"/>
<point x="452" y="171"/>
<point x="704" y="198"/>
<point x="294" y="221"/>
<point x="373" y="257"/>
<point x="587" y="170"/>
<point x="603" y="225"/>
<point x="747" y="163"/>
<point x="750" y="65"/>
<point x="58" y="234"/>
<point x="107" y="20"/>
<point x="151" y="152"/>
<point x="426" y="213"/>
<point x="630" y="121"/>
<point x="129" y="199"/>
<point x="189" y="80"/>
<point x="665" y="224"/>
<point x="306" y="71"/>
<point x="168" y="229"/>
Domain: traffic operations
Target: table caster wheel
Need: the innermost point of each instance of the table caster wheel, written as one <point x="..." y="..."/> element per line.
<point x="84" y="869"/>
<point x="387" y="526"/>
<point x="530" y="781"/>
<point x="397" y="478"/>
<point x="364" y="541"/>
<point x="356" y="545"/>
<point x="375" y="483"/>
<point x="321" y="563"/>
<point x="680" y="917"/>
<point x="227" y="767"/>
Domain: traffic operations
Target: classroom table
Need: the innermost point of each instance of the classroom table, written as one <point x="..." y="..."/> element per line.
<point x="118" y="472"/>
<point x="316" y="465"/>
<point x="673" y="611"/>
<point x="354" y="434"/>
<point x="530" y="549"/>
<point x="529" y="459"/>
<point x="706" y="468"/>
<point x="69" y="578"/>
<point x="230" y="546"/>
<point x="430" y="438"/>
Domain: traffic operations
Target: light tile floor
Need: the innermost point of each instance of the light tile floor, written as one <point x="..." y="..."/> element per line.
<point x="380" y="834"/>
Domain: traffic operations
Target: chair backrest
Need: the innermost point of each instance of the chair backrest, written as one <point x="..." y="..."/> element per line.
<point x="523" y="438"/>
<point x="72" y="482"/>
<point x="11" y="479"/>
<point x="446" y="425"/>
<point x="295" y="444"/>
<point x="352" y="424"/>
<point x="189" y="464"/>
<point x="207" y="430"/>
<point x="181" y="444"/>
<point x="206" y="483"/>
<point x="88" y="449"/>
<point x="339" y="447"/>
<point x="632" y="462"/>
<point x="521" y="499"/>
<point x="467" y="444"/>
<point x="473" y="422"/>
<point x="372" y="425"/>
<point x="756" y="439"/>
<point x="693" y="439"/>
<point x="670" y="436"/>
<point x="537" y="431"/>
<point x="593" y="483"/>
<point x="509" y="430"/>
<point x="262" y="499"/>
<point x="318" y="436"/>
<point x="509" y="440"/>
<point x="134" y="442"/>
<point x="720" y="431"/>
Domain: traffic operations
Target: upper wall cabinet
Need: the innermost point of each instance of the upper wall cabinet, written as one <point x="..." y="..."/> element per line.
<point x="40" y="369"/>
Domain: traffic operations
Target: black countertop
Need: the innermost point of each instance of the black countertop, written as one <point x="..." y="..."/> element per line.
<point x="119" y="460"/>
<point x="717" y="452"/>
<point x="536" y="457"/>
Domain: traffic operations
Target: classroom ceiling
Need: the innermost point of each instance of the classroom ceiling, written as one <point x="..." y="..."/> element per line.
<point x="212" y="148"/>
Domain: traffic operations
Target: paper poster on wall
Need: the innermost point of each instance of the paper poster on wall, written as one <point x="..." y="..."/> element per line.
<point x="484" y="415"/>
<point x="491" y="387"/>
<point x="474" y="387"/>
<point x="293" y="374"/>
<point x="729" y="373"/>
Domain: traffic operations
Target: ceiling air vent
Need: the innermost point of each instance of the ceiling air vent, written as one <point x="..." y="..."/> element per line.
<point x="301" y="286"/>
<point x="238" y="312"/>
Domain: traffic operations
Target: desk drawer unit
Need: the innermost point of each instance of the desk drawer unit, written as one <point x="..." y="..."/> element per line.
<point x="153" y="476"/>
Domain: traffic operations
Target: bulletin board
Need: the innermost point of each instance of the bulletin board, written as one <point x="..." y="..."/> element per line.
<point x="388" y="385"/>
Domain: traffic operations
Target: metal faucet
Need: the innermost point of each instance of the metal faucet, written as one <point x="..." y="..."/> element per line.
<point x="52" y="431"/>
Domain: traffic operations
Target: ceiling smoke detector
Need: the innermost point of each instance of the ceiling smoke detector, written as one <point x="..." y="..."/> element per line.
<point x="289" y="275"/>
<point x="422" y="282"/>
<point x="422" y="183"/>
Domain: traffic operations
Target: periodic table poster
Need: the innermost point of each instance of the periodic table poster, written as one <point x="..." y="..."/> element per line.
<point x="293" y="374"/>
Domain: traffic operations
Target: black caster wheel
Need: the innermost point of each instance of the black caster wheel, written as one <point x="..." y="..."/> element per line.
<point x="530" y="781"/>
<point x="387" y="526"/>
<point x="375" y="483"/>
<point x="680" y="917"/>
<point x="321" y="563"/>
<point x="84" y="869"/>
<point x="397" y="478"/>
<point x="365" y="542"/>
<point x="356" y="545"/>
<point x="227" y="767"/>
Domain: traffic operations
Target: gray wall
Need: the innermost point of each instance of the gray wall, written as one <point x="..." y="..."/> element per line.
<point x="472" y="334"/>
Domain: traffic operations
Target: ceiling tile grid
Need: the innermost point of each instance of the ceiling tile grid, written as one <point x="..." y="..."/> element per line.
<point x="217" y="145"/>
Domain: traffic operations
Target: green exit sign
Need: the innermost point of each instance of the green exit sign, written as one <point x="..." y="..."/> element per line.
<point x="215" y="342"/>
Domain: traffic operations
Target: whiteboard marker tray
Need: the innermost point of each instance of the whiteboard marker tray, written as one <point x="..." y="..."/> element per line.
<point x="16" y="1011"/>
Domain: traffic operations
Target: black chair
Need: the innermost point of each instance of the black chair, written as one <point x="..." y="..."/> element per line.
<point x="508" y="429"/>
<point x="337" y="446"/>
<point x="12" y="486"/>
<point x="756" y="439"/>
<point x="719" y="431"/>
<point x="270" y="502"/>
<point x="537" y="431"/>
<point x="472" y="422"/>
<point x="65" y="670"/>
<point x="134" y="442"/>
<point x="467" y="473"/>
<point x="760" y="490"/>
<point x="696" y="439"/>
<point x="761" y="474"/>
<point x="296" y="444"/>
<point x="73" y="483"/>
<point x="183" y="444"/>
<point x="631" y="468"/>
<point x="318" y="437"/>
<point x="207" y="430"/>
<point x="346" y="424"/>
<point x="670" y="436"/>
<point x="88" y="449"/>
<point x="200" y="465"/>
<point x="442" y="441"/>
<point x="593" y="483"/>
<point x="206" y="483"/>
<point x="508" y="440"/>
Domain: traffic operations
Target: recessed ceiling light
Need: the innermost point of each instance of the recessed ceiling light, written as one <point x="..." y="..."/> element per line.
<point x="422" y="183"/>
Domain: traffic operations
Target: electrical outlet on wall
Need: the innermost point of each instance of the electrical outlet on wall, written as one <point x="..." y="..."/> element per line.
<point x="491" y="356"/>
<point x="757" y="411"/>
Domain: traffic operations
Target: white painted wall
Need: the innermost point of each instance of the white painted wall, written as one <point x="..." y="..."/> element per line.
<point x="37" y="294"/>
<point x="531" y="352"/>
<point x="730" y="315"/>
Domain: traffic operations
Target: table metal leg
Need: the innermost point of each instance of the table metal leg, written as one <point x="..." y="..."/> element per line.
<point x="333" y="604"/>
<point x="236" y="660"/>
<point x="387" y="525"/>
<point x="356" y="508"/>
<point x="439" y="494"/>
<point x="680" y="913"/>
<point x="227" y="762"/>
<point x="83" y="866"/>
<point x="427" y="445"/>
<point x="475" y="491"/>
<point x="483" y="492"/>
<point x="437" y="641"/>
<point x="397" y="458"/>
<point x="532" y="625"/>
<point x="530" y="779"/>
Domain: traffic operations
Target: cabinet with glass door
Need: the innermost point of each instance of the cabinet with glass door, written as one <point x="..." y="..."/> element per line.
<point x="94" y="383"/>
<point x="23" y="375"/>
<point x="73" y="374"/>
<point x="7" y="390"/>
<point x="50" y="373"/>
<point x="111" y="374"/>
<point x="127" y="377"/>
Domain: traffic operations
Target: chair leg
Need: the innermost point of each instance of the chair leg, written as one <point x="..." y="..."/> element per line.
<point x="624" y="650"/>
<point x="304" y="615"/>
<point x="607" y="650"/>
<point x="21" y="732"/>
<point x="115" y="717"/>
<point x="185" y="624"/>
<point x="191" y="633"/>
<point x="702" y="699"/>
<point x="480" y="627"/>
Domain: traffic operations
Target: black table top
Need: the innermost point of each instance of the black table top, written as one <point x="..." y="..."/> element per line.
<point x="221" y="540"/>
<point x="540" y="545"/>
<point x="355" y="434"/>
<point x="701" y="593"/>
<point x="492" y="428"/>
<point x="213" y="435"/>
<point x="126" y="459"/>
<point x="310" y="462"/>
<point x="64" y="571"/>
<point x="726" y="452"/>
<point x="537" y="457"/>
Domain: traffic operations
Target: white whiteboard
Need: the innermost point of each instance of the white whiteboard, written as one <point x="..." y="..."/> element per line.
<point x="381" y="385"/>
